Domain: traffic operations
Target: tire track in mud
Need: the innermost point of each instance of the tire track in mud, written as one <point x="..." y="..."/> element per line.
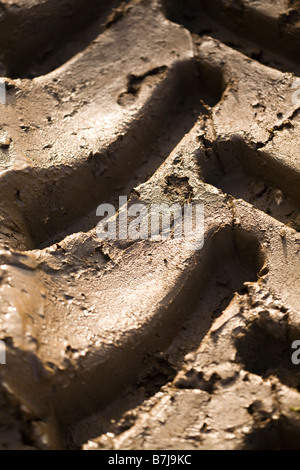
<point x="232" y="164"/>
<point x="150" y="140"/>
<point x="86" y="173"/>
<point x="274" y="41"/>
<point x="215" y="172"/>
<point x="35" y="36"/>
<point x="233" y="254"/>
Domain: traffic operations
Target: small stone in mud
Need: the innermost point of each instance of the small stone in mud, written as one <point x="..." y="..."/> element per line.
<point x="5" y="142"/>
<point x="282" y="233"/>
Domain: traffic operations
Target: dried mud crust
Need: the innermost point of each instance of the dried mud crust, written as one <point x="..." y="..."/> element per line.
<point x="143" y="345"/>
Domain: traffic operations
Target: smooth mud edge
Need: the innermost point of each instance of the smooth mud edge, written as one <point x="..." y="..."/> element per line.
<point x="102" y="383"/>
<point x="80" y="189"/>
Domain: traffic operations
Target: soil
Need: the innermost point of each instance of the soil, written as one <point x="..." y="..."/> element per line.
<point x="141" y="344"/>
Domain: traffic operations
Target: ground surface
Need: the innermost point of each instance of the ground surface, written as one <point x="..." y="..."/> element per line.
<point x="149" y="345"/>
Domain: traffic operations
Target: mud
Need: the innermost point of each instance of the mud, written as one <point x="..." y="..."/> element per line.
<point x="139" y="344"/>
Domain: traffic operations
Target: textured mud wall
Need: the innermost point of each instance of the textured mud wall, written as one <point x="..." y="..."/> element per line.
<point x="139" y="344"/>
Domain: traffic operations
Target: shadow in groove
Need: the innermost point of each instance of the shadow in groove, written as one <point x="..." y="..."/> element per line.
<point x="282" y="434"/>
<point x="267" y="355"/>
<point x="254" y="176"/>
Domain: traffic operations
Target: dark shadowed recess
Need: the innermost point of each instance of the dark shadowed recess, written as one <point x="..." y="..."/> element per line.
<point x="281" y="434"/>
<point x="251" y="174"/>
<point x="271" y="40"/>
